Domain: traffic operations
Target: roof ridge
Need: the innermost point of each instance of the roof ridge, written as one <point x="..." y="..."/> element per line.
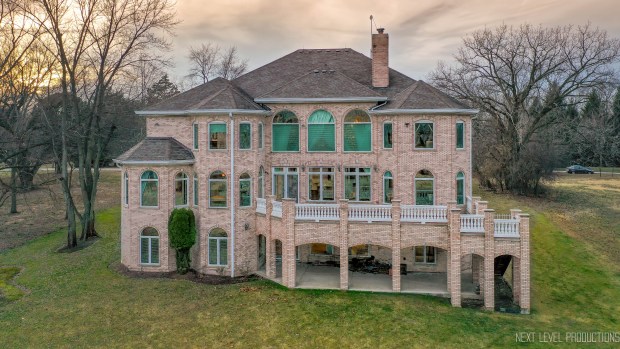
<point x="209" y="98"/>
<point x="286" y="83"/>
<point x="406" y="93"/>
<point x="358" y="83"/>
<point x="440" y="94"/>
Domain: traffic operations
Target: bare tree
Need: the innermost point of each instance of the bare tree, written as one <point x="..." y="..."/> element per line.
<point x="204" y="61"/>
<point x="502" y="71"/>
<point x="230" y="65"/>
<point x="94" y="41"/>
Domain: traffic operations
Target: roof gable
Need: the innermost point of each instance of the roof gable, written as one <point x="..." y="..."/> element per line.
<point x="157" y="150"/>
<point x="421" y="95"/>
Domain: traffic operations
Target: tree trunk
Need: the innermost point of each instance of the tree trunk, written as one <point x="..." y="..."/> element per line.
<point x="13" y="190"/>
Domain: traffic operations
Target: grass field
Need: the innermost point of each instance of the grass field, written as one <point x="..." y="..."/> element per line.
<point x="76" y="300"/>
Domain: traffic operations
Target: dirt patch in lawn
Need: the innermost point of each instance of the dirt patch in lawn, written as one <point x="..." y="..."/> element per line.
<point x="42" y="211"/>
<point x="192" y="275"/>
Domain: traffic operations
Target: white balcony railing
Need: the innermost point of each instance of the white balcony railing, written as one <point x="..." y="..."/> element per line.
<point x="503" y="216"/>
<point x="276" y="210"/>
<point x="472" y="223"/>
<point x="424" y="214"/>
<point x="506" y="228"/>
<point x="317" y="212"/>
<point x="261" y="205"/>
<point x="370" y="213"/>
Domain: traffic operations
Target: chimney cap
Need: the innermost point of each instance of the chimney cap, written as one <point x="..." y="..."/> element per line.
<point x="380" y="30"/>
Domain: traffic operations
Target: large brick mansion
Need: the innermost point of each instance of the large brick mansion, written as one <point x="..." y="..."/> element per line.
<point x="321" y="157"/>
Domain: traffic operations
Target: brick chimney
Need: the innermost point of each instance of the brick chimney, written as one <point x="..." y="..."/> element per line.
<point x="379" y="55"/>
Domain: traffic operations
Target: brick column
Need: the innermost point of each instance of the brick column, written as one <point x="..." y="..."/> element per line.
<point x="482" y="205"/>
<point x="396" y="245"/>
<point x="474" y="203"/>
<point x="489" y="258"/>
<point x="344" y="244"/>
<point x="514" y="213"/>
<point x="454" y="265"/>
<point x="270" y="248"/>
<point x="288" y="243"/>
<point x="524" y="264"/>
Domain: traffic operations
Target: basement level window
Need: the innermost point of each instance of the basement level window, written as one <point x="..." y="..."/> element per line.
<point x="425" y="254"/>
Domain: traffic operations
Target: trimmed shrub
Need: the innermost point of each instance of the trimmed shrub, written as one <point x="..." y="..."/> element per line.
<point x="182" y="235"/>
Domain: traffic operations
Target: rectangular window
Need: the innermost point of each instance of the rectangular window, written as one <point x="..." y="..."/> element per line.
<point x="217" y="136"/>
<point x="260" y="135"/>
<point x="195" y="135"/>
<point x="387" y="135"/>
<point x="285" y="183"/>
<point x="357" y="184"/>
<point x="217" y="193"/>
<point x="180" y="192"/>
<point x="195" y="190"/>
<point x="425" y="254"/>
<point x="245" y="192"/>
<point x="357" y="137"/>
<point x="460" y="135"/>
<point x="149" y="250"/>
<point x="460" y="190"/>
<point x="285" y="137"/>
<point x="321" y="183"/>
<point x="423" y="135"/>
<point x="322" y="249"/>
<point x="126" y="189"/>
<point x="245" y="136"/>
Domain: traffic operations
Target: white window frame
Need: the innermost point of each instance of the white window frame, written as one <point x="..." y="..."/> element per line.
<point x="357" y="174"/>
<point x="425" y="256"/>
<point x="298" y="123"/>
<point x="415" y="131"/>
<point x="211" y="180"/>
<point x="384" y="185"/>
<point x="286" y="171"/>
<point x="383" y="135"/>
<point x="195" y="136"/>
<point x="241" y="180"/>
<point x="209" y="135"/>
<point x="456" y="135"/>
<point x="196" y="190"/>
<point x="150" y="244"/>
<point x="239" y="145"/>
<point x="156" y="180"/>
<point x="457" y="188"/>
<point x="185" y="187"/>
<point x="356" y="123"/>
<point x="320" y="173"/>
<point x="125" y="189"/>
<point x="415" y="194"/>
<point x="218" y="241"/>
<point x="320" y="123"/>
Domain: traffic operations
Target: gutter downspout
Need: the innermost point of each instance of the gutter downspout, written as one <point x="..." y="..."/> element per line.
<point x="379" y="105"/>
<point x="232" y="194"/>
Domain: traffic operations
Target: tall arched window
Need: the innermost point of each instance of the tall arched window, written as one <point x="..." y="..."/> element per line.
<point x="149" y="189"/>
<point x="357" y="131"/>
<point x="460" y="188"/>
<point x="181" y="185"/>
<point x="149" y="246"/>
<point x="285" y="132"/>
<point x="321" y="131"/>
<point x="217" y="189"/>
<point x="424" y="188"/>
<point x="218" y="247"/>
<point x="388" y="187"/>
<point x="245" y="190"/>
<point x="261" y="182"/>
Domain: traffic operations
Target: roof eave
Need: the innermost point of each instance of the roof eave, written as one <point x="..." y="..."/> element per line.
<point x="444" y="111"/>
<point x="154" y="162"/>
<point x="321" y="100"/>
<point x="201" y="112"/>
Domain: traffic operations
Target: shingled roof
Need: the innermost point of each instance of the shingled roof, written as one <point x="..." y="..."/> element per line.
<point x="216" y="94"/>
<point x="157" y="150"/>
<point x="421" y="95"/>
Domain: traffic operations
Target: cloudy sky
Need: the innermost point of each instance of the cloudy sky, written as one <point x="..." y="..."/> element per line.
<point x="421" y="31"/>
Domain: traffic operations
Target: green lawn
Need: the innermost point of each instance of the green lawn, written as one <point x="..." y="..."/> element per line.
<point x="75" y="300"/>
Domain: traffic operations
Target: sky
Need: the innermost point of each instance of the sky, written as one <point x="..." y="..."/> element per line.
<point x="422" y="32"/>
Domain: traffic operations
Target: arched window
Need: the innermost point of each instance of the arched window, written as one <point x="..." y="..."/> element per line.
<point x="321" y="131"/>
<point x="261" y="182"/>
<point x="285" y="132"/>
<point x="149" y="246"/>
<point x="125" y="188"/>
<point x="217" y="189"/>
<point x="388" y="187"/>
<point x="357" y="129"/>
<point x="424" y="187"/>
<point x="181" y="193"/>
<point x="218" y="247"/>
<point x="196" y="190"/>
<point x="460" y="188"/>
<point x="148" y="189"/>
<point x="424" y="135"/>
<point x="245" y="190"/>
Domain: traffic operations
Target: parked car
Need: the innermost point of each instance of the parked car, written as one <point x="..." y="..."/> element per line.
<point x="579" y="169"/>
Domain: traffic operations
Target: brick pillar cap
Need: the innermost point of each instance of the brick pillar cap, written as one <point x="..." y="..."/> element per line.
<point x="344" y="200"/>
<point x="524" y="214"/>
<point x="452" y="202"/>
<point x="288" y="200"/>
<point x="398" y="201"/>
<point x="456" y="210"/>
<point x="483" y="202"/>
<point x="476" y="197"/>
<point x="489" y="210"/>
